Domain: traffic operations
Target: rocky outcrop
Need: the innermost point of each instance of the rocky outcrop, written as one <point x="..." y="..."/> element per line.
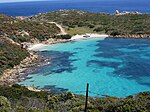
<point x="132" y="36"/>
<point x="11" y="76"/>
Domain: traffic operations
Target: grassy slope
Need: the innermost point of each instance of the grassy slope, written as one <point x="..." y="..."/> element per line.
<point x="98" y="22"/>
<point x="23" y="100"/>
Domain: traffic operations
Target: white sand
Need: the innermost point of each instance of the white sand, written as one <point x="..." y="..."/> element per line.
<point x="89" y="36"/>
<point x="36" y="46"/>
<point x="76" y="37"/>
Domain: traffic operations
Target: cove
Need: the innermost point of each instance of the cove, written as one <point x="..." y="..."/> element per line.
<point x="114" y="67"/>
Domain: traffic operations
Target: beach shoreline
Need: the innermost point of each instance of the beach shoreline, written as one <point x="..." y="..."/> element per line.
<point x="34" y="46"/>
<point x="85" y="36"/>
<point x="29" y="64"/>
<point x="18" y="72"/>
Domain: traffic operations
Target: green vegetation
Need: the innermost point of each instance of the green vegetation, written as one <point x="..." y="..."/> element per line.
<point x="10" y="54"/>
<point x="40" y="31"/>
<point x="78" y="30"/>
<point x="20" y="31"/>
<point x="99" y="22"/>
<point x="67" y="36"/>
<point x="20" y="99"/>
<point x="26" y="30"/>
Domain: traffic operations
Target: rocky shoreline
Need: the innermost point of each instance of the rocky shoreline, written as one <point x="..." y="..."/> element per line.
<point x="19" y="72"/>
<point x="28" y="65"/>
<point x="139" y="36"/>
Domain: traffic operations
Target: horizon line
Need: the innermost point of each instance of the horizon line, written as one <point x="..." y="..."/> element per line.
<point x="17" y="1"/>
<point x="27" y="1"/>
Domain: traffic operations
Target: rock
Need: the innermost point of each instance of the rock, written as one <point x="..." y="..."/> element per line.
<point x="11" y="76"/>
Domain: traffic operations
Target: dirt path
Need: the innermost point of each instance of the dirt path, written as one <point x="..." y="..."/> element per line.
<point x="61" y="28"/>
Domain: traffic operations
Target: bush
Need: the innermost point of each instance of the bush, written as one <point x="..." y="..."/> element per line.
<point x="125" y="24"/>
<point x="115" y="33"/>
<point x="10" y="55"/>
<point x="4" y="104"/>
<point x="99" y="29"/>
<point x="67" y="36"/>
<point x="91" y="26"/>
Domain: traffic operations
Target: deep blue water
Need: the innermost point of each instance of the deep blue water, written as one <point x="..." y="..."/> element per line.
<point x="115" y="67"/>
<point x="107" y="6"/>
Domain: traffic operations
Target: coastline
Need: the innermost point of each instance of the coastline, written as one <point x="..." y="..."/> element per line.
<point x="34" y="46"/>
<point x="51" y="41"/>
<point x="19" y="72"/>
<point x="134" y="36"/>
<point x="54" y="61"/>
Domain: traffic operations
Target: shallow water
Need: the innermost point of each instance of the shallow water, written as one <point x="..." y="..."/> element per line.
<point x="115" y="67"/>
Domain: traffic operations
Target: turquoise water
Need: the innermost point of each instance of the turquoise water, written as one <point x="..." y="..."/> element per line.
<point x="115" y="67"/>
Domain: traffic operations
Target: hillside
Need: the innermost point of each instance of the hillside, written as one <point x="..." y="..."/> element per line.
<point x="14" y="31"/>
<point x="20" y="99"/>
<point x="10" y="54"/>
<point x="79" y="22"/>
<point x="26" y="31"/>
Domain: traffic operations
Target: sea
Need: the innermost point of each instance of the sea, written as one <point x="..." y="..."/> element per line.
<point x="112" y="67"/>
<point x="106" y="6"/>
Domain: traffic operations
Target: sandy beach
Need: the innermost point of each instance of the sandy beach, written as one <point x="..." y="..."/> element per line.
<point x="89" y="35"/>
<point x="35" y="46"/>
